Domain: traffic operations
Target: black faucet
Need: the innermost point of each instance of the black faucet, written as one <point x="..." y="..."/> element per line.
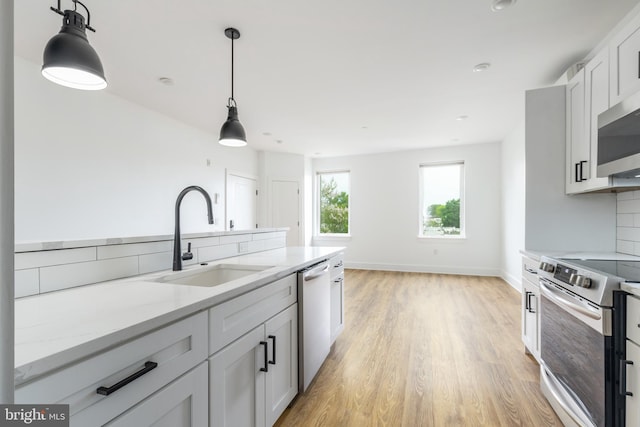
<point x="177" y="258"/>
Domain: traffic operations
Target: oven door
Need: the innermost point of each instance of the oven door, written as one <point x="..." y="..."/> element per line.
<point x="576" y="351"/>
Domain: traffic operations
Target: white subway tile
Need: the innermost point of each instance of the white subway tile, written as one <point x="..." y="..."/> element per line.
<point x="27" y="282"/>
<point x="278" y="242"/>
<point x="628" y="233"/>
<point x="149" y="263"/>
<point x="212" y="253"/>
<point x="264" y="236"/>
<point x="25" y="260"/>
<point x="628" y="206"/>
<point x="627" y="195"/>
<point x="132" y="249"/>
<point x="256" y="246"/>
<point x="201" y="242"/>
<point x="234" y="238"/>
<point x="70" y="275"/>
<point x="625" y="247"/>
<point x="625" y="220"/>
<point x="636" y="250"/>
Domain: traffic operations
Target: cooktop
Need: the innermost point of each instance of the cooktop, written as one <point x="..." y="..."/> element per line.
<point x="627" y="270"/>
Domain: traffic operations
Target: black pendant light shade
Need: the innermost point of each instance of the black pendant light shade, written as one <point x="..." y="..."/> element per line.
<point x="68" y="58"/>
<point x="232" y="133"/>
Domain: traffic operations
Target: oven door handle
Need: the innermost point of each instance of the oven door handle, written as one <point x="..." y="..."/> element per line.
<point x="561" y="397"/>
<point x="560" y="299"/>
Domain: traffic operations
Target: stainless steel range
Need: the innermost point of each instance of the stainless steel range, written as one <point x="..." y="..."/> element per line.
<point x="578" y="349"/>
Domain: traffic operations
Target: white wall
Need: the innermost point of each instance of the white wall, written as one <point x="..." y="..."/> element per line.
<point x="513" y="204"/>
<point x="93" y="165"/>
<point x="384" y="212"/>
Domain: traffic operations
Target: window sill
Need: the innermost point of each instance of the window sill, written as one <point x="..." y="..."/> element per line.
<point x="321" y="237"/>
<point x="452" y="238"/>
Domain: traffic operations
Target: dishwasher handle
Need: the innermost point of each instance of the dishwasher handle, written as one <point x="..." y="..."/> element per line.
<point x="316" y="272"/>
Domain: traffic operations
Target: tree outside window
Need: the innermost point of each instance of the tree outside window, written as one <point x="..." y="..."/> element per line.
<point x="441" y="189"/>
<point x="333" y="203"/>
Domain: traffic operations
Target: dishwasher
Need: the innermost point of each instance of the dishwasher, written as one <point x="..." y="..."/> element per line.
<point x="314" y="324"/>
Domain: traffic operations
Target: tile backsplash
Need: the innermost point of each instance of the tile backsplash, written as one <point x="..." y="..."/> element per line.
<point x="628" y="223"/>
<point x="52" y="266"/>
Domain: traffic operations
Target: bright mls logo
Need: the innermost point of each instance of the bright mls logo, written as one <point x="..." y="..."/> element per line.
<point x="34" y="415"/>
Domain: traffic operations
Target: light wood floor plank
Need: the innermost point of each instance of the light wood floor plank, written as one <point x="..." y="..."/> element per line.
<point x="425" y="350"/>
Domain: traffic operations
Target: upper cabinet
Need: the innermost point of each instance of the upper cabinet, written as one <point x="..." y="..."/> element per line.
<point x="577" y="149"/>
<point x="624" y="50"/>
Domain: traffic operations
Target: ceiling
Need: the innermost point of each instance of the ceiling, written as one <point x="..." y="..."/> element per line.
<point x="335" y="77"/>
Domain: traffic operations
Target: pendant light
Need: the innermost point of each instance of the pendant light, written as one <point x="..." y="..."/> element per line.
<point x="68" y="59"/>
<point x="232" y="133"/>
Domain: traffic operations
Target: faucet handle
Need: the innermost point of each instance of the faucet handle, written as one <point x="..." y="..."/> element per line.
<point x="187" y="255"/>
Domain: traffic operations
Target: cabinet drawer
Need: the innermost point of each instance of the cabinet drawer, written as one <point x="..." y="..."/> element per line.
<point x="232" y="319"/>
<point x="175" y="348"/>
<point x="336" y="265"/>
<point x="633" y="319"/>
<point x="530" y="269"/>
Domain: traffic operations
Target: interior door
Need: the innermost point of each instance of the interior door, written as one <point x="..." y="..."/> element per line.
<point x="285" y="208"/>
<point x="241" y="205"/>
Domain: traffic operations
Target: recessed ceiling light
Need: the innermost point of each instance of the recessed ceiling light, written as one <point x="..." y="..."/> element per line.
<point x="461" y="118"/>
<point x="484" y="66"/>
<point x="455" y="140"/>
<point x="497" y="5"/>
<point x="279" y="141"/>
<point x="167" y="81"/>
<point x="266" y="133"/>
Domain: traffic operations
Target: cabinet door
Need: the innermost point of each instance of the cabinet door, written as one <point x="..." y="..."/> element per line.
<point x="183" y="403"/>
<point x="337" y="306"/>
<point x="530" y="300"/>
<point x="597" y="101"/>
<point x="632" y="402"/>
<point x="577" y="148"/>
<point x="625" y="61"/>
<point x="282" y="378"/>
<point x="236" y="384"/>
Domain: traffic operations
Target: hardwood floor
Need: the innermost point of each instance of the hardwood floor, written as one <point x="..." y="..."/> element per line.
<point x="426" y="350"/>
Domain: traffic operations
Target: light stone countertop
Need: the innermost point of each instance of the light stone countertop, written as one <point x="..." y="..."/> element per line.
<point x="54" y="329"/>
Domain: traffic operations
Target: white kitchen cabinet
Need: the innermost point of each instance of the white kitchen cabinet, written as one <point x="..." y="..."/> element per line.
<point x="183" y="403"/>
<point x="253" y="379"/>
<point x="577" y="147"/>
<point x="174" y="349"/>
<point x="336" y="277"/>
<point x="624" y="67"/>
<point x="530" y="307"/>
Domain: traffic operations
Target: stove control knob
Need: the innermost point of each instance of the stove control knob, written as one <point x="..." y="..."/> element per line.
<point x="580" y="280"/>
<point x="545" y="266"/>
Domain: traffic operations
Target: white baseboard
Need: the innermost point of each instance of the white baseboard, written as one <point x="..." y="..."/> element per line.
<point x="512" y="280"/>
<point x="437" y="269"/>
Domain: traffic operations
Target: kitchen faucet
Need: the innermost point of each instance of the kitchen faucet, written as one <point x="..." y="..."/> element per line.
<point x="177" y="258"/>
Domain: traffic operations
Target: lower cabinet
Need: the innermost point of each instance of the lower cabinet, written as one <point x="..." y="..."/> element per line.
<point x="183" y="403"/>
<point x="530" y="307"/>
<point x="253" y="379"/>
<point x="336" y="275"/>
<point x="632" y="400"/>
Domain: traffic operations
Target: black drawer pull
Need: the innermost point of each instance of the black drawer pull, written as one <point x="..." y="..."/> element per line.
<point x="273" y="362"/>
<point x="106" y="391"/>
<point x="338" y="280"/>
<point x="266" y="358"/>
<point x="623" y="377"/>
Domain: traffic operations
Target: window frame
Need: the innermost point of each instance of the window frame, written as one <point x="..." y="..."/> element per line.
<point x="421" y="190"/>
<point x="316" y="200"/>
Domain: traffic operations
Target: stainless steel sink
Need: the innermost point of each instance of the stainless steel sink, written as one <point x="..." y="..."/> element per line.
<point x="212" y="276"/>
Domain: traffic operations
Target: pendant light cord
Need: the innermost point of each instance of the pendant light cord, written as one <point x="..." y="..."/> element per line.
<point x="232" y="37"/>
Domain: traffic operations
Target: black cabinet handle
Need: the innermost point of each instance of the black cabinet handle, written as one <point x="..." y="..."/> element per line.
<point x="531" y="310"/>
<point x="338" y="265"/>
<point x="582" y="178"/>
<point x="338" y="280"/>
<point x="526" y="300"/>
<point x="623" y="377"/>
<point x="106" y="391"/>
<point x="266" y="359"/>
<point x="273" y="362"/>
<point x="577" y="179"/>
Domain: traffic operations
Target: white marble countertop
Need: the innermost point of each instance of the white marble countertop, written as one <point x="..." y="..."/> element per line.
<point x="632" y="288"/>
<point x="536" y="255"/>
<point x="54" y="329"/>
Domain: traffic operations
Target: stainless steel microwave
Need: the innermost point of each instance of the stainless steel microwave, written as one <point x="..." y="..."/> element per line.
<point x="619" y="139"/>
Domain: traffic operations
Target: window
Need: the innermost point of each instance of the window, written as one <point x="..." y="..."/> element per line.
<point x="441" y="200"/>
<point x="333" y="203"/>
